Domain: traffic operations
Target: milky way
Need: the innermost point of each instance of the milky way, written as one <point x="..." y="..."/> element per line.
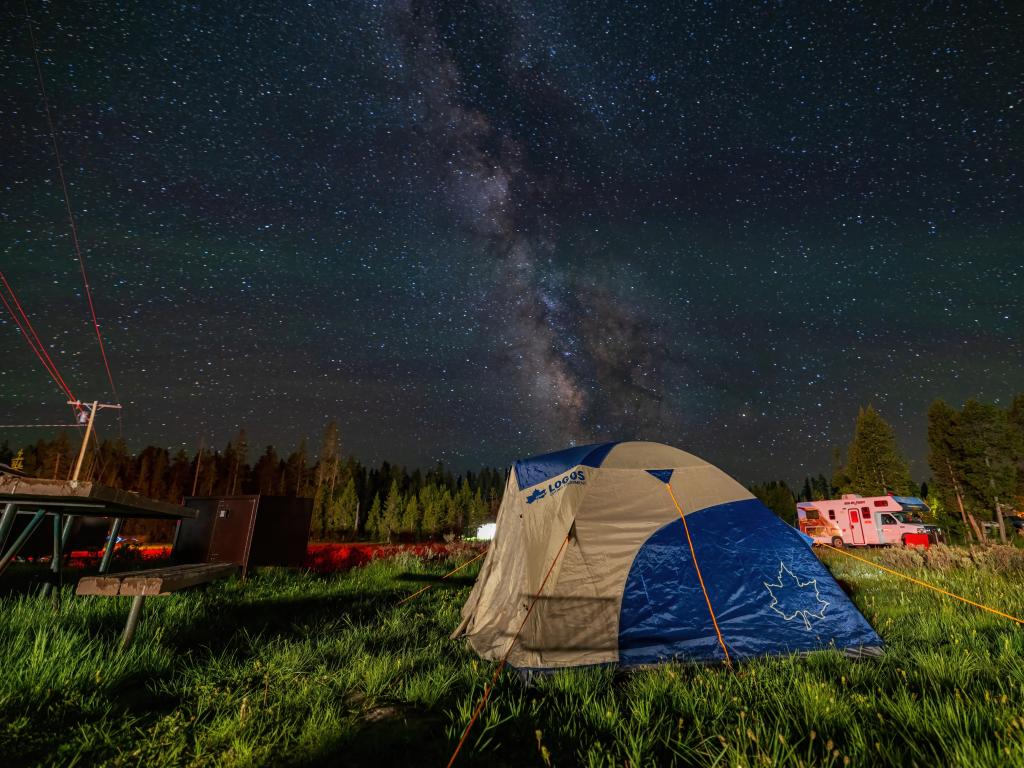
<point x="577" y="354"/>
<point x="474" y="231"/>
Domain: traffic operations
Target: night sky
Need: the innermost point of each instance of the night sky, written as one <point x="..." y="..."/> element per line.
<point x="475" y="231"/>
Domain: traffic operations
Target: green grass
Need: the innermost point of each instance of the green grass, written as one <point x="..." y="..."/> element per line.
<point x="295" y="669"/>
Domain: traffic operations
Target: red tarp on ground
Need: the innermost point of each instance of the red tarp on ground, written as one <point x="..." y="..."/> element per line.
<point x="328" y="558"/>
<point x="321" y="558"/>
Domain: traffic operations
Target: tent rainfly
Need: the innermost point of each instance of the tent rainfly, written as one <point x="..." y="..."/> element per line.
<point x="651" y="555"/>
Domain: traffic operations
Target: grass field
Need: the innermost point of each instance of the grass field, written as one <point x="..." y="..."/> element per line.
<point x="298" y="669"/>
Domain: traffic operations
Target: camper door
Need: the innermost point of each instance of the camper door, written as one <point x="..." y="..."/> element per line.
<point x="856" y="527"/>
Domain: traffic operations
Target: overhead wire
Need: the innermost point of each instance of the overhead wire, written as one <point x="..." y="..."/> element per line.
<point x="24" y="324"/>
<point x="47" y="426"/>
<point x="31" y="343"/>
<point x="67" y="205"/>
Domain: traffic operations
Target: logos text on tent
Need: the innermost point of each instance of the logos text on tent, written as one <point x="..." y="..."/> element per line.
<point x="578" y="477"/>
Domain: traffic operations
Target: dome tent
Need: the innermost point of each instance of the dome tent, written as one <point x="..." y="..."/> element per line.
<point x="632" y="581"/>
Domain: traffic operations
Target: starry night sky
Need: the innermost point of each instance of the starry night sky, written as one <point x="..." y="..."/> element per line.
<point x="476" y="231"/>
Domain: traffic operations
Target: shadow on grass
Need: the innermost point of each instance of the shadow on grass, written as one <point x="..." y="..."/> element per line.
<point x="237" y="621"/>
<point x="27" y="578"/>
<point x="426" y="578"/>
<point x="388" y="736"/>
<point x="403" y="736"/>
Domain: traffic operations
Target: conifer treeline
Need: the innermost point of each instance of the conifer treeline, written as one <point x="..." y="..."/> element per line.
<point x="976" y="458"/>
<point x="975" y="454"/>
<point x="350" y="500"/>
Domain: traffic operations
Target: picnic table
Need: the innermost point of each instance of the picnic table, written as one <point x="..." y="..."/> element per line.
<point x="151" y="583"/>
<point x="61" y="501"/>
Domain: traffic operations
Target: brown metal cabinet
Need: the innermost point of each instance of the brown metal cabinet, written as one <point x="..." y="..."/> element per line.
<point x="246" y="530"/>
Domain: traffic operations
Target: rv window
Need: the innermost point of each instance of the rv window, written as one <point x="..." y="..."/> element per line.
<point x="867" y="513"/>
<point x="888" y="520"/>
<point x="812" y="514"/>
<point x="831" y="514"/>
<point x="880" y="502"/>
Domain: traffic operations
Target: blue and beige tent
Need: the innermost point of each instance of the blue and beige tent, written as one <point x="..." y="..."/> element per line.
<point x="648" y="554"/>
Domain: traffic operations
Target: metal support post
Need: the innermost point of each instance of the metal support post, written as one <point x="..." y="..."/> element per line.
<point x="7" y="522"/>
<point x="133" y="621"/>
<point x="57" y="559"/>
<point x="22" y="538"/>
<point x="108" y="552"/>
<point x="69" y="521"/>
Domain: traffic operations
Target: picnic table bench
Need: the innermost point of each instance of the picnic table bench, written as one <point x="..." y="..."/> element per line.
<point x="153" y="582"/>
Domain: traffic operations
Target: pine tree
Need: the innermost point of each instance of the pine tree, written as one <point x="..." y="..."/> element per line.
<point x="1015" y="414"/>
<point x="430" y="504"/>
<point x="59" y="458"/>
<point x="295" y="481"/>
<point x="374" y="520"/>
<point x="778" y="498"/>
<point x="478" y="512"/>
<point x="874" y="465"/>
<point x="266" y="473"/>
<point x="946" y="461"/>
<point x="240" y="464"/>
<point x="343" y="511"/>
<point x="179" y="477"/>
<point x="412" y="517"/>
<point x="459" y="509"/>
<point x="394" y="506"/>
<point x="144" y="473"/>
<point x="318" y="524"/>
<point x="326" y="478"/>
<point x="990" y="453"/>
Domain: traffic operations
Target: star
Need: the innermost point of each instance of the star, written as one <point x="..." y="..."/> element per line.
<point x="478" y="232"/>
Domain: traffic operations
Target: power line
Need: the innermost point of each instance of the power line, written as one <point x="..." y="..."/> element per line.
<point x="67" y="205"/>
<point x="50" y="426"/>
<point x="31" y="336"/>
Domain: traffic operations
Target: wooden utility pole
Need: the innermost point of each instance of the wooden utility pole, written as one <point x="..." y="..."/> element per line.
<point x="199" y="463"/>
<point x="92" y="408"/>
<point x="61" y="534"/>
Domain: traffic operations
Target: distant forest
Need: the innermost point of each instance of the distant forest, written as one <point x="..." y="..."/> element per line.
<point x="976" y="459"/>
<point x="350" y="500"/>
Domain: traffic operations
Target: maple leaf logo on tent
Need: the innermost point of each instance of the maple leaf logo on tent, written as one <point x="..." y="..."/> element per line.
<point x="537" y="494"/>
<point x="792" y="597"/>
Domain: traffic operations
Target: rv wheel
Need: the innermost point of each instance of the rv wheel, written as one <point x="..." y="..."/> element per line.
<point x="837" y="542"/>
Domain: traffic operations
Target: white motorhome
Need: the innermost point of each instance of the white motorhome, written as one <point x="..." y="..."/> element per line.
<point x="855" y="521"/>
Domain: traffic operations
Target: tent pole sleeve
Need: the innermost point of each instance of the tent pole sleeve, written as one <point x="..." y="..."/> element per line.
<point x="700" y="578"/>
